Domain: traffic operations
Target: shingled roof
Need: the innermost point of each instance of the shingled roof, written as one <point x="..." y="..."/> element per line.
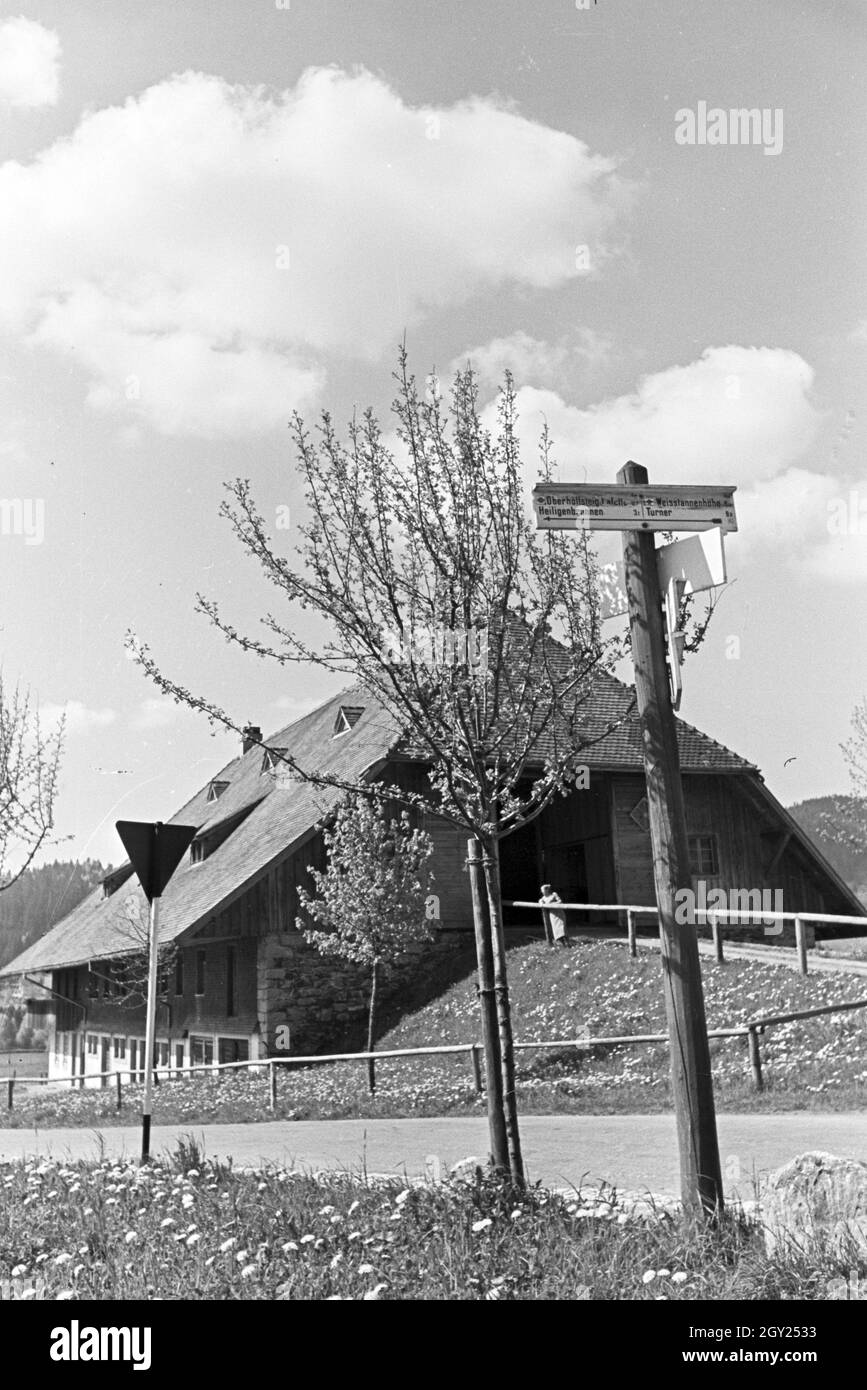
<point x="274" y="814"/>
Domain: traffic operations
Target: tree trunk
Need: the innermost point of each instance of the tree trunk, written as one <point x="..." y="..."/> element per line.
<point x="371" y="1026"/>
<point x="504" y="1013"/>
<point x="488" y="1011"/>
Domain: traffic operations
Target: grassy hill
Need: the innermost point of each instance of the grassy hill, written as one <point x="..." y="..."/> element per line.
<point x="818" y="1063"/>
<point x="833" y="823"/>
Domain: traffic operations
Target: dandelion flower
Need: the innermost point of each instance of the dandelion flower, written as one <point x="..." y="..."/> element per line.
<point x="62" y="1259"/>
<point x="289" y="1245"/>
<point x="374" y="1293"/>
<point x="648" y="1276"/>
<point x="18" y="1271"/>
<point x="248" y="1271"/>
<point x="305" y="1240"/>
<point x="482" y="1225"/>
<point x="401" y="1197"/>
<point x="679" y="1278"/>
<point x="168" y="1221"/>
<point x="227" y="1244"/>
<point x="65" y="1295"/>
<point x="365" y="1269"/>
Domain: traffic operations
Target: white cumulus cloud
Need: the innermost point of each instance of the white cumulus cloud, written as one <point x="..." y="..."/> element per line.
<point x="155" y="713"/>
<point x="80" y="718"/>
<point x="736" y="415"/>
<point x="29" y="64"/>
<point x="533" y="361"/>
<point x="203" y="248"/>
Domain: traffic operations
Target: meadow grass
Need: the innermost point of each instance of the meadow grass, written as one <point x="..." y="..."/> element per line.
<point x="188" y="1228"/>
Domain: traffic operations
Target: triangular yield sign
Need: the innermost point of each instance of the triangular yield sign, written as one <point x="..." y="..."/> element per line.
<point x="155" y="851"/>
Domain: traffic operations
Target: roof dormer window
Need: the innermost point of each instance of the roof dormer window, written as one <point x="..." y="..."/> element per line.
<point x="347" y="717"/>
<point x="215" y="790"/>
<point x="115" y="879"/>
<point x="272" y="757"/>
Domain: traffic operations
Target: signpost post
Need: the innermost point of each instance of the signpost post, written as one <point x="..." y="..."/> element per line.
<point x="154" y="850"/>
<point x="637" y="509"/>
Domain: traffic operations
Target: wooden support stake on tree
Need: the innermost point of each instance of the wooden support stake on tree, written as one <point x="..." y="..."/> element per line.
<point x="692" y="1088"/>
<point x="10" y="1092"/>
<point x="272" y="1087"/>
<point x="488" y="1011"/>
<point x="119" y="1084"/>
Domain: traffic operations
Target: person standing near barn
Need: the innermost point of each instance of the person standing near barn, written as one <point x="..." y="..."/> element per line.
<point x="555" y="922"/>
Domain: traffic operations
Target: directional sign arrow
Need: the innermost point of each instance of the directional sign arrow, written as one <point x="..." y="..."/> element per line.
<point x="155" y="851"/>
<point x="634" y="507"/>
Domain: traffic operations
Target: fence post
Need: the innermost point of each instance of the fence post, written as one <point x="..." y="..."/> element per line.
<point x="11" y="1088"/>
<point x="801" y="943"/>
<point x="477" y="1067"/>
<point x="119" y="1084"/>
<point x="717" y="938"/>
<point x="630" y="933"/>
<point x="756" y="1059"/>
<point x="272" y="1084"/>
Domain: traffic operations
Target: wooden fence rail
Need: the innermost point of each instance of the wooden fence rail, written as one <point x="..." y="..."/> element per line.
<point x="705" y="916"/>
<point x="751" y="1029"/>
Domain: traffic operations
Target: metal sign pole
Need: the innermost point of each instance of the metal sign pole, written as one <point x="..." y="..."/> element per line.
<point x="150" y="1027"/>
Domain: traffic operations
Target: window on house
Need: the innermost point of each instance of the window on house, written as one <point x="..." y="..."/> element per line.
<point x="115" y="879"/>
<point x="120" y="1049"/>
<point x="233" y="1050"/>
<point x="231" y="1000"/>
<point x="201" y="1051"/>
<point x="179" y="1055"/>
<point x="215" y="790"/>
<point x="272" y="757"/>
<point x="703" y="859"/>
<point x="347" y="717"/>
<point x="179" y="973"/>
<point x="197" y="851"/>
<point x="91" y="1044"/>
<point x="162" y="1050"/>
<point x="200" y="972"/>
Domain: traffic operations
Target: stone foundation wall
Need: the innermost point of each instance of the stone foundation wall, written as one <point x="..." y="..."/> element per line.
<point x="323" y="1000"/>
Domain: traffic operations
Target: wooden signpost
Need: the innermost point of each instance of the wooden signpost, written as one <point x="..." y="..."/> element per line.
<point x="638" y="509"/>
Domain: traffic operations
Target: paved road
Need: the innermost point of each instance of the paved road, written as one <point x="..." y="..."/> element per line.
<point x="635" y="1152"/>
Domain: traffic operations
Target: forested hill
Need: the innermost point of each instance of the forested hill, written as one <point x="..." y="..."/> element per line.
<point x="848" y="816"/>
<point x="39" y="898"/>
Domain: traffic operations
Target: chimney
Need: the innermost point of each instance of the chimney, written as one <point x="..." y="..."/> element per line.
<point x="250" y="737"/>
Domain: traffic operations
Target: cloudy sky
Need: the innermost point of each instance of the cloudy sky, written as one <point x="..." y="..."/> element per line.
<point x="213" y="212"/>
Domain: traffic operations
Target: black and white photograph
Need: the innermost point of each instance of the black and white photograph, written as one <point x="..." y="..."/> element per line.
<point x="433" y="695"/>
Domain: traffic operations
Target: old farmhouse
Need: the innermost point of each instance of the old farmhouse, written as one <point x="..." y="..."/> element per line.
<point x="241" y="982"/>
